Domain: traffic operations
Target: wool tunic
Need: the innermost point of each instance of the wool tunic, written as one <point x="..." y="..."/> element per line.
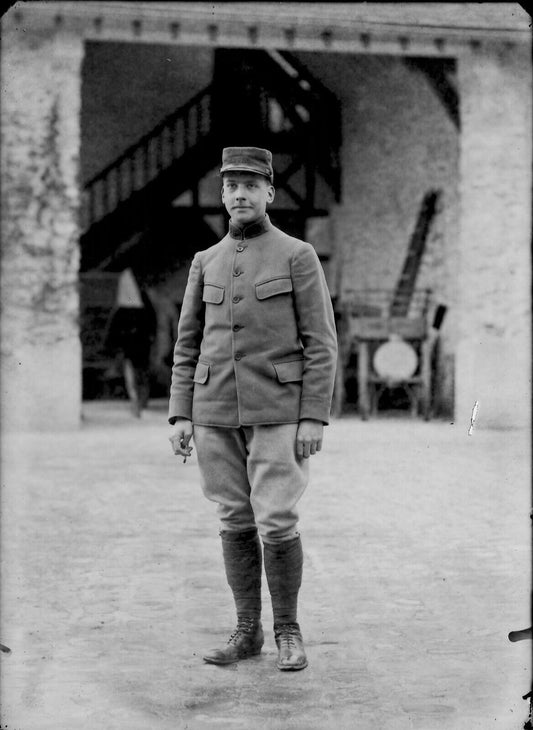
<point x="256" y="337"/>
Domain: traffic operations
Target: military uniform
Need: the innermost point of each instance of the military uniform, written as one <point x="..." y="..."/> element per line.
<point x="255" y="354"/>
<point x="256" y="338"/>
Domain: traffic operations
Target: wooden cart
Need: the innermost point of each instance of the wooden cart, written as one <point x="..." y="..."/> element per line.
<point x="392" y="351"/>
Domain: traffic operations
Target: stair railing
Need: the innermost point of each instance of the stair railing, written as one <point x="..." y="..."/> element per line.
<point x="305" y="104"/>
<point x="144" y="160"/>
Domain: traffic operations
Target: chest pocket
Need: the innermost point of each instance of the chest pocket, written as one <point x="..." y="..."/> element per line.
<point x="272" y="287"/>
<point x="213" y="294"/>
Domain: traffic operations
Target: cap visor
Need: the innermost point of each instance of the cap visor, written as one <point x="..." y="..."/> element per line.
<point x="243" y="168"/>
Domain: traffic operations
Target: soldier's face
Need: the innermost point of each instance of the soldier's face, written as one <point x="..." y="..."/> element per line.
<point x="246" y="196"/>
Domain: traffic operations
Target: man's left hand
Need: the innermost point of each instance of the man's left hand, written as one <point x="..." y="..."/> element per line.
<point x="308" y="438"/>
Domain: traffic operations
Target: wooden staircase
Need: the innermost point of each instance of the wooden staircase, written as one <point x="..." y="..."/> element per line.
<point x="134" y="190"/>
<point x="269" y="100"/>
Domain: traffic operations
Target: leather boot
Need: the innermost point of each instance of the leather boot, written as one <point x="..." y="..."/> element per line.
<point x="291" y="652"/>
<point x="243" y="565"/>
<point x="283" y="567"/>
<point x="246" y="641"/>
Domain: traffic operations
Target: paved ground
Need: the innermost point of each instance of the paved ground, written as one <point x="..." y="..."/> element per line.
<point x="417" y="549"/>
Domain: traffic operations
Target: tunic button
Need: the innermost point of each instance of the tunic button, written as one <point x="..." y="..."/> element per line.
<point x="237" y="273"/>
<point x="235" y="300"/>
<point x="238" y="355"/>
<point x="240" y="249"/>
<point x="236" y="327"/>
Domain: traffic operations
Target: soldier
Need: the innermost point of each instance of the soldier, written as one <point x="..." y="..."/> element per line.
<point x="253" y="374"/>
<point x="130" y="336"/>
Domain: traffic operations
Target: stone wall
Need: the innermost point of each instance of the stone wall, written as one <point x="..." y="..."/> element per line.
<point x="41" y="364"/>
<point x="494" y="335"/>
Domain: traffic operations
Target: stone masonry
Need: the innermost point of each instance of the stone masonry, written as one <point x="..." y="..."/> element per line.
<point x="41" y="365"/>
<point x="494" y="346"/>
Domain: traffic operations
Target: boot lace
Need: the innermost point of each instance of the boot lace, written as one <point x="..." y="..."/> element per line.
<point x="245" y="625"/>
<point x="287" y="635"/>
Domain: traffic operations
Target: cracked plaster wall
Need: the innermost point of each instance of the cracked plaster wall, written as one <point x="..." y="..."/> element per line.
<point x="40" y="345"/>
<point x="494" y="335"/>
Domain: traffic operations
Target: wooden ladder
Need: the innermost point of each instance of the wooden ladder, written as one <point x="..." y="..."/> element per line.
<point x="405" y="286"/>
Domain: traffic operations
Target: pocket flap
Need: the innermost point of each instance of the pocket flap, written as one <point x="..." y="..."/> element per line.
<point x="290" y="371"/>
<point x="201" y="374"/>
<point x="280" y="285"/>
<point x="213" y="294"/>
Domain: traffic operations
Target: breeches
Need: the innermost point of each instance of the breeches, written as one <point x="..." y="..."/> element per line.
<point x="254" y="476"/>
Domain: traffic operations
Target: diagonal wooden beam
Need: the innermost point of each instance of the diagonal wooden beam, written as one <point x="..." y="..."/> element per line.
<point x="294" y="195"/>
<point x="289" y="171"/>
<point x="283" y="180"/>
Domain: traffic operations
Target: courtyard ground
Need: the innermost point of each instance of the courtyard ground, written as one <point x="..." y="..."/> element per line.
<point x="417" y="549"/>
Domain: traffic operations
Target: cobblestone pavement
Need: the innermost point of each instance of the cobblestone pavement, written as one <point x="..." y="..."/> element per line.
<point x="417" y="565"/>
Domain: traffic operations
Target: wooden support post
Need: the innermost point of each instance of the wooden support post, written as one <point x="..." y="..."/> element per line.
<point x="310" y="174"/>
<point x="362" y="379"/>
<point x="425" y="375"/>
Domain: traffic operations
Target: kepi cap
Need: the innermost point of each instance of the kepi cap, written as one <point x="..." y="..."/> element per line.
<point x="247" y="159"/>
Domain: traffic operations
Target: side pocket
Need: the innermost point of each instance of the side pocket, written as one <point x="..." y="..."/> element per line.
<point x="201" y="374"/>
<point x="290" y="371"/>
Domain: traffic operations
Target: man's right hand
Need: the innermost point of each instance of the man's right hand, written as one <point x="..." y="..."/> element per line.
<point x="180" y="437"/>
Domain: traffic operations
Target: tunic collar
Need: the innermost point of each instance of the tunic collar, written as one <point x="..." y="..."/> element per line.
<point x="251" y="231"/>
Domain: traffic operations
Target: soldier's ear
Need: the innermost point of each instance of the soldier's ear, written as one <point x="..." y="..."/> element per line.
<point x="271" y="194"/>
